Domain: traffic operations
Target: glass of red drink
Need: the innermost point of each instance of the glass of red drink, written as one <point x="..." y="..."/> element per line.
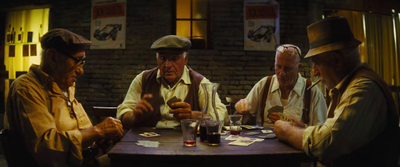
<point x="189" y="131"/>
<point x="235" y="124"/>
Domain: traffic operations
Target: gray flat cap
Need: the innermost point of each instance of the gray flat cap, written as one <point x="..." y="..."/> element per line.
<point x="62" y="39"/>
<point x="171" y="43"/>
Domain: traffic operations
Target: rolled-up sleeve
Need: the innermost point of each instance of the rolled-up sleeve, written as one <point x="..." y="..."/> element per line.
<point x="132" y="97"/>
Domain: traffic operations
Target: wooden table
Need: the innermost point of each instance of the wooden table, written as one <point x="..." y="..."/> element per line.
<point x="171" y="151"/>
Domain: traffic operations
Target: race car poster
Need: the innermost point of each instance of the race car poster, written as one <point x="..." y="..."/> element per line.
<point x="108" y="25"/>
<point x="261" y="25"/>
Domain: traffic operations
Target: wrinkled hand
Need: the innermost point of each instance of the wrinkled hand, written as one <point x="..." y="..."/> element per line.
<point x="242" y="106"/>
<point x="181" y="110"/>
<point x="290" y="134"/>
<point x="143" y="105"/>
<point x="110" y="129"/>
<point x="274" y="116"/>
<point x="280" y="128"/>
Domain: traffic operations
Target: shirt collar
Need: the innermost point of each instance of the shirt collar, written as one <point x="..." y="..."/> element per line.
<point x="41" y="76"/>
<point x="297" y="88"/>
<point x="48" y="81"/>
<point x="185" y="78"/>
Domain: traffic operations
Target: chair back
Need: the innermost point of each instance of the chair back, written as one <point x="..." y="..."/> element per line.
<point x="101" y="112"/>
<point x="14" y="150"/>
<point x="231" y="104"/>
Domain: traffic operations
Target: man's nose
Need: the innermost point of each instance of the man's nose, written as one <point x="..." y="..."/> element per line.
<point x="167" y="63"/>
<point x="79" y="70"/>
<point x="283" y="71"/>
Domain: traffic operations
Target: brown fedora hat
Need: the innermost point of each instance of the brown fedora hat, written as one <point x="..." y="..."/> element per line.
<point x="329" y="35"/>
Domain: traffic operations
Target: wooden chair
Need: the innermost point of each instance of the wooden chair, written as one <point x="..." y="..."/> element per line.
<point x="100" y="112"/>
<point x="231" y="104"/>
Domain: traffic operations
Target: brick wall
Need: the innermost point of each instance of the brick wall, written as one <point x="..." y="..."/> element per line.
<point x="108" y="73"/>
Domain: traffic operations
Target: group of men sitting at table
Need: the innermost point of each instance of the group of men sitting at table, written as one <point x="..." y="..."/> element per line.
<point x="360" y="126"/>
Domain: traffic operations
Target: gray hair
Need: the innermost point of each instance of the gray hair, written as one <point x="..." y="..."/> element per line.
<point x="43" y="59"/>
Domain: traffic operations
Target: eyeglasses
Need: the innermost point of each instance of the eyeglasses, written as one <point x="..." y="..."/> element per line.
<point x="291" y="49"/>
<point x="78" y="61"/>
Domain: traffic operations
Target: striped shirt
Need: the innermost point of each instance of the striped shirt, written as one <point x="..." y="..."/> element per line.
<point x="359" y="116"/>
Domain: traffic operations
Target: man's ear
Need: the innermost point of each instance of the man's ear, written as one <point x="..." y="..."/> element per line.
<point x="51" y="55"/>
<point x="338" y="61"/>
<point x="52" y="58"/>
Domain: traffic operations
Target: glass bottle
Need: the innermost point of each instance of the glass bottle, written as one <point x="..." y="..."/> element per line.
<point x="210" y="90"/>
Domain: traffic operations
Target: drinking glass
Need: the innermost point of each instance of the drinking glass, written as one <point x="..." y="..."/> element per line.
<point x="235" y="124"/>
<point x="189" y="131"/>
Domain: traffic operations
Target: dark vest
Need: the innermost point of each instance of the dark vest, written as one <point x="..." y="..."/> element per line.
<point x="384" y="148"/>
<point x="150" y="85"/>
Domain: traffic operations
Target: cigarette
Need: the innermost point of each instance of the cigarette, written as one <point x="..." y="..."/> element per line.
<point x="314" y="84"/>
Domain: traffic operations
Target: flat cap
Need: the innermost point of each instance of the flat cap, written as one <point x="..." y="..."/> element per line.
<point x="171" y="43"/>
<point x="61" y="39"/>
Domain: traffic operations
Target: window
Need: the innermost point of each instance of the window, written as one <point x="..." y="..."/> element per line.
<point x="191" y="21"/>
<point x="23" y="31"/>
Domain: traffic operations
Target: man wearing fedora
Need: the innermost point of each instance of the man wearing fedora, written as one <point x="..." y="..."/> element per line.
<point x="150" y="97"/>
<point x="362" y="128"/>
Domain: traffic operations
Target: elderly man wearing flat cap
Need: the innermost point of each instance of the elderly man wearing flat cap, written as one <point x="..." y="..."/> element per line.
<point x="362" y="128"/>
<point x="49" y="126"/>
<point x="146" y="102"/>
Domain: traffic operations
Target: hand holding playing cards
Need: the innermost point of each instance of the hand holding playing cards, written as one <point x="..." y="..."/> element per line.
<point x="242" y="106"/>
<point x="274" y="116"/>
<point x="143" y="105"/>
<point x="181" y="110"/>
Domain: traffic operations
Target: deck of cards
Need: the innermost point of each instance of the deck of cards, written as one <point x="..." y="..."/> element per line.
<point x="242" y="141"/>
<point x="149" y="134"/>
<point x="147" y="143"/>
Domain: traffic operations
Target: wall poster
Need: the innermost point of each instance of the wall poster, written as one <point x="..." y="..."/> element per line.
<point x="108" y="27"/>
<point x="261" y="25"/>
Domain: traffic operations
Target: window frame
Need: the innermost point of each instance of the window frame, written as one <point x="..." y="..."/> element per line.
<point x="207" y="40"/>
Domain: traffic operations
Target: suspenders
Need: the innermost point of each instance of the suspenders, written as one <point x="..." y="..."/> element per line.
<point x="306" y="100"/>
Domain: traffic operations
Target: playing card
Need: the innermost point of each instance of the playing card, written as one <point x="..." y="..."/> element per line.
<point x="241" y="142"/>
<point x="266" y="131"/>
<point x="172" y="100"/>
<point x="147" y="143"/>
<point x="278" y="109"/>
<point x="249" y="127"/>
<point x="244" y="141"/>
<point x="149" y="134"/>
<point x="268" y="136"/>
<point x="233" y="137"/>
<point x="252" y="133"/>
